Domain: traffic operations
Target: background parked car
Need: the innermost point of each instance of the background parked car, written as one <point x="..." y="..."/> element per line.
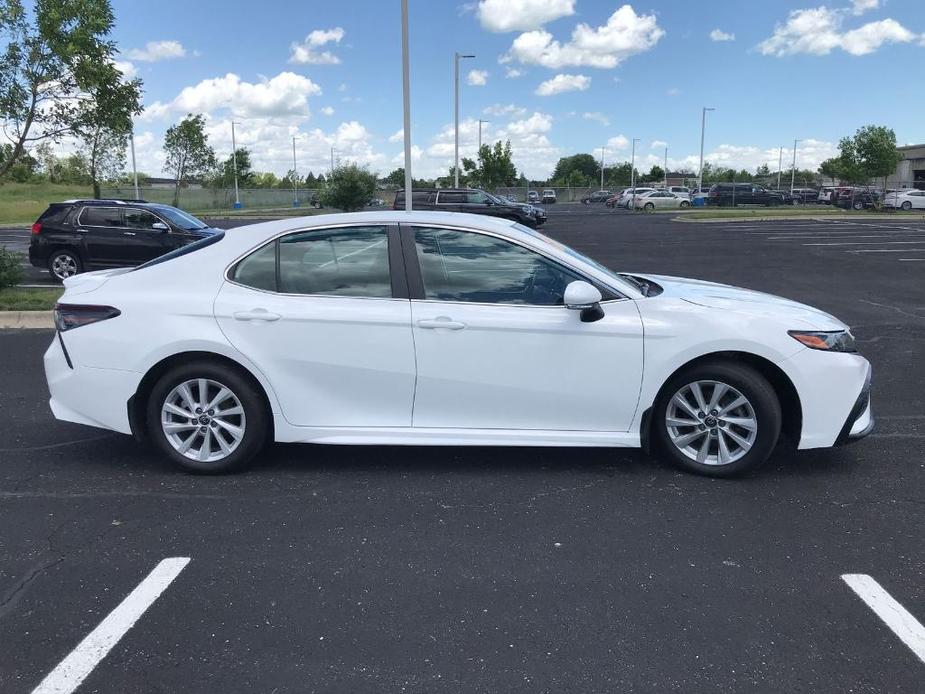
<point x="825" y="195"/>
<point x="470" y="200"/>
<point x="801" y="196"/>
<point x="80" y="235"/>
<point x="729" y="194"/>
<point x="533" y="197"/>
<point x="548" y="197"/>
<point x="905" y="199"/>
<point x="626" y="197"/>
<point x="858" y="199"/>
<point x="680" y="191"/>
<point x="596" y="196"/>
<point x="660" y="199"/>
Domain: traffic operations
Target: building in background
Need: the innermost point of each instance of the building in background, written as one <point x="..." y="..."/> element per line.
<point x="910" y="172"/>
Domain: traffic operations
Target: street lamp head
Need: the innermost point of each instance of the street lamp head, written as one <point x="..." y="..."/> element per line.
<point x="467" y="55"/>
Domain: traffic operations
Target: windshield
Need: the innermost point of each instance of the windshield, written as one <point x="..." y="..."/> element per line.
<point x="180" y="219"/>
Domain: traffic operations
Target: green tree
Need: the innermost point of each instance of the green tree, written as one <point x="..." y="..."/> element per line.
<point x="57" y="72"/>
<point x="224" y="175"/>
<point x="587" y="165"/>
<point x="875" y="149"/>
<point x="265" y="179"/>
<point x="348" y="187"/>
<point x="104" y="151"/>
<point x="188" y="152"/>
<point x="24" y="169"/>
<point x="396" y="177"/>
<point x="494" y="167"/>
<point x="656" y="173"/>
<point x="763" y="170"/>
<point x="619" y="175"/>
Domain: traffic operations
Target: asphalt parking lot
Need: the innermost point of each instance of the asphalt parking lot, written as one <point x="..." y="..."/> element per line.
<point x="329" y="569"/>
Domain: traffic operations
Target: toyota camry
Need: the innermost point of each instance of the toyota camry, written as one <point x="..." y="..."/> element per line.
<point x="439" y="329"/>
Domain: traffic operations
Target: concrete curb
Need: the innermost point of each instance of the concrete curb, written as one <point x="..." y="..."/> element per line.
<point x="27" y="320"/>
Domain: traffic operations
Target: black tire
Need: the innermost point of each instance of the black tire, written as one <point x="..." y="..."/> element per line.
<point x="907" y="205"/>
<point x="749" y="383"/>
<point x="648" y="207"/>
<point x="63" y="255"/>
<point x="685" y="204"/>
<point x="248" y="394"/>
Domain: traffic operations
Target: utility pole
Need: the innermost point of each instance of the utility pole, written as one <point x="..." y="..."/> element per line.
<point x="332" y="158"/>
<point x="456" y="57"/>
<point x="406" y="99"/>
<point x="703" y="127"/>
<point x="602" y="168"/>
<point x="780" y="161"/>
<point x="234" y="166"/>
<point x="633" y="172"/>
<point x="793" y="170"/>
<point x="134" y="168"/>
<point x="295" y="177"/>
<point x="666" y="167"/>
<point x="480" y="135"/>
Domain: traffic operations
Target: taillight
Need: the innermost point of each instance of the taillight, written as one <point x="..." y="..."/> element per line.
<point x="70" y="316"/>
<point x="37" y="228"/>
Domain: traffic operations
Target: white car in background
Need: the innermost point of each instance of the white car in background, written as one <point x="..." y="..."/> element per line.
<point x="660" y="200"/>
<point x="905" y="199"/>
<point x="681" y="191"/>
<point x="626" y="197"/>
<point x="442" y="329"/>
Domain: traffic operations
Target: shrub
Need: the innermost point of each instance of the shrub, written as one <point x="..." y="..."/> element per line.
<point x="11" y="272"/>
<point x="349" y="187"/>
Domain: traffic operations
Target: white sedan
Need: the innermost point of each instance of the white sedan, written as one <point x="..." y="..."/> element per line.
<point x="626" y="197"/>
<point x="660" y="200"/>
<point x="441" y="329"/>
<point x="905" y="199"/>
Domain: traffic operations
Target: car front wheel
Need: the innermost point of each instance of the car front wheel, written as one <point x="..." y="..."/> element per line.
<point x="907" y="205"/>
<point x="207" y="417"/>
<point x="685" y="204"/>
<point x="717" y="419"/>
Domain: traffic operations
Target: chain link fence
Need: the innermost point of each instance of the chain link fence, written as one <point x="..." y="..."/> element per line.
<point x="202" y="199"/>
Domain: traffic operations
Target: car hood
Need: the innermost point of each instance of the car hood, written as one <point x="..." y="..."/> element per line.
<point x="729" y="298"/>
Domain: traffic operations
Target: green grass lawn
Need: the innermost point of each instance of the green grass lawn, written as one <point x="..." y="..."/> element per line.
<point x="19" y="299"/>
<point x="22" y="203"/>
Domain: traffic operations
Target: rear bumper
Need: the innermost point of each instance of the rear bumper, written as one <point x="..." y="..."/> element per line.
<point x="37" y="257"/>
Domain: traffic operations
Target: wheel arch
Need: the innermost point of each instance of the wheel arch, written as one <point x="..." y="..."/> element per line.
<point x="136" y="403"/>
<point x="787" y="395"/>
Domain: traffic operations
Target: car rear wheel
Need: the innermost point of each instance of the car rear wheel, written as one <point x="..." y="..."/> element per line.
<point x="858" y="205"/>
<point x="717" y="419"/>
<point x="648" y="207"/>
<point x="207" y="417"/>
<point x="63" y="264"/>
<point x="684" y="204"/>
<point x="907" y="205"/>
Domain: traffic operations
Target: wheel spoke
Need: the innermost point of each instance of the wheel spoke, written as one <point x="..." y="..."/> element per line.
<point x="236" y="432"/>
<point x="698" y="396"/>
<point x="177" y="428"/>
<point x="222" y="443"/>
<point x="723" y="450"/>
<point x="178" y="411"/>
<point x="734" y="405"/>
<point x="205" y="450"/>
<point x="681" y="402"/>
<point x="223" y="393"/>
<point x="187" y="396"/>
<point x="719" y="390"/>
<point x="237" y="409"/>
<point x="184" y="447"/>
<point x="743" y="422"/>
<point x="704" y="448"/>
<point x="678" y="422"/>
<point x="743" y="442"/>
<point x="203" y="393"/>
<point x="686" y="439"/>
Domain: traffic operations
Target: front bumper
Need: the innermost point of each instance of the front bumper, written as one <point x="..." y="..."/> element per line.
<point x="860" y="421"/>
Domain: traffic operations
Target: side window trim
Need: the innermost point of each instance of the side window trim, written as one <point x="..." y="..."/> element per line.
<point x="416" y="281"/>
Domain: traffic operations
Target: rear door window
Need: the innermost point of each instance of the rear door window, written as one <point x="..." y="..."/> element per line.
<point x="101" y="217"/>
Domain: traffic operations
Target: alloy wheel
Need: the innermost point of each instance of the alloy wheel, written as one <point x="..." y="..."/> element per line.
<point x="711" y="422"/>
<point x="203" y="420"/>
<point x="63" y="266"/>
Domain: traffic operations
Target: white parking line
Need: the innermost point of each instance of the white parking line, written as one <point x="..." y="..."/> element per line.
<point x="912" y="260"/>
<point x="889" y="250"/>
<point x="909" y="630"/>
<point x="80" y="662"/>
<point x="862" y="243"/>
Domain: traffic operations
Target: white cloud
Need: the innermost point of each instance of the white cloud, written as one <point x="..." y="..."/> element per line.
<point x="416" y="154"/>
<point x="397" y="136"/>
<point x="513" y="73"/>
<point x="563" y="83"/>
<point x="521" y="15"/>
<point x="157" y="50"/>
<point x="597" y="116"/>
<point x="328" y="111"/>
<point x="504" y="110"/>
<point x="673" y="91"/>
<point x="658" y="144"/>
<point x="818" y="31"/>
<point x="477" y="78"/>
<point x="284" y="95"/>
<point x="720" y="35"/>
<point x="307" y="53"/>
<point x="861" y="6"/>
<point x="625" y="34"/>
<point x="127" y="68"/>
<point x="618" y="142"/>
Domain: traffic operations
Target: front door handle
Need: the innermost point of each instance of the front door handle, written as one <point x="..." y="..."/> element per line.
<point x="128" y="233"/>
<point x="441" y="322"/>
<point x="258" y="314"/>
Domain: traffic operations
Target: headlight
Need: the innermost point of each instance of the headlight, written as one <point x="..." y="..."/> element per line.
<point x="828" y="341"/>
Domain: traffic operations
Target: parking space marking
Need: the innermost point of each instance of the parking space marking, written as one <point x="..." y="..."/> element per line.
<point x="909" y="630"/>
<point x="862" y="243"/>
<point x="889" y="250"/>
<point x="80" y="662"/>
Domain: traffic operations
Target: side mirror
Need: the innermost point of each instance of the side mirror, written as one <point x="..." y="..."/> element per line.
<point x="584" y="297"/>
<point x="160" y="226"/>
<point x="489" y="202"/>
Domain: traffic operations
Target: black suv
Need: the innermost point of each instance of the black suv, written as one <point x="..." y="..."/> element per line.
<point x="472" y="201"/>
<point x="80" y="235"/>
<point x="725" y="194"/>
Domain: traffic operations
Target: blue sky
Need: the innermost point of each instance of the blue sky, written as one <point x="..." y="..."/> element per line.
<point x="554" y="76"/>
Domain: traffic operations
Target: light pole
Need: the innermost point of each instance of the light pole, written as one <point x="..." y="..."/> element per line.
<point x="633" y="172"/>
<point x="332" y="158"/>
<point x="666" y="167"/>
<point x="602" y="168"/>
<point x="234" y="166"/>
<point x="480" y="135"/>
<point x="134" y="168"/>
<point x="406" y="98"/>
<point x="793" y="169"/>
<point x="703" y="127"/>
<point x="456" y="57"/>
<point x="780" y="161"/>
<point x="295" y="176"/>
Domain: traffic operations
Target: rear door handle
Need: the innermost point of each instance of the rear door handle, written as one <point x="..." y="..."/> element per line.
<point x="258" y="314"/>
<point x="128" y="233"/>
<point x="441" y="322"/>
